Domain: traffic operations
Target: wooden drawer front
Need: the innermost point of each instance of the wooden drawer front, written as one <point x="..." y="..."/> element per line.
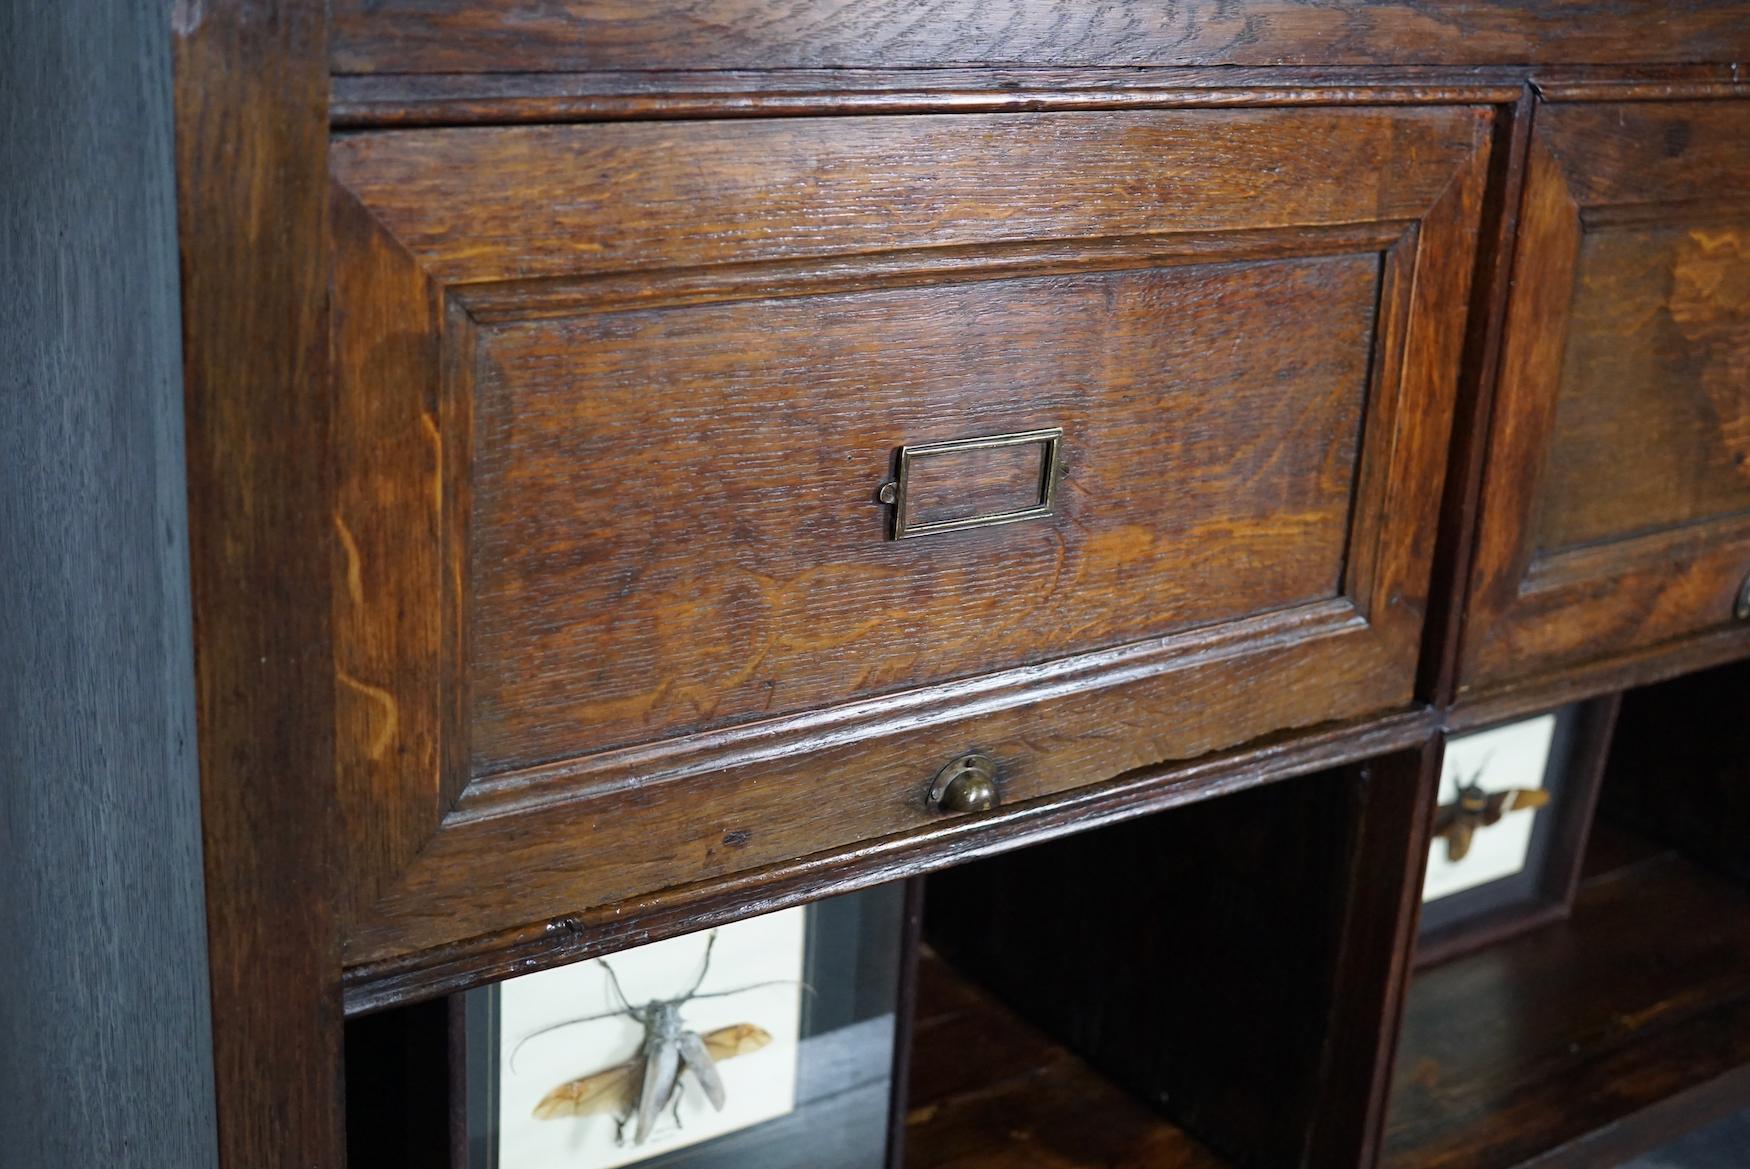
<point x="619" y="404"/>
<point x="675" y="524"/>
<point x="1617" y="498"/>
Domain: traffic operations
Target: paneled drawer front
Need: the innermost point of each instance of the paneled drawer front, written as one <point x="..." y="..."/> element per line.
<point x="1617" y="497"/>
<point x="670" y="451"/>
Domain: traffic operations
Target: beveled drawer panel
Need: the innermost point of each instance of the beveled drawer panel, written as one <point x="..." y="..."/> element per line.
<point x="675" y="524"/>
<point x="1616" y="516"/>
<point x="671" y="454"/>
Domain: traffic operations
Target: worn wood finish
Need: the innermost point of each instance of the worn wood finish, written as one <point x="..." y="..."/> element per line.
<point x="1614" y="514"/>
<point x="602" y="930"/>
<point x="991" y="1091"/>
<point x="1477" y="388"/>
<point x="631" y="582"/>
<point x="251" y="142"/>
<point x="105" y="1041"/>
<point x="651" y="645"/>
<point x="447" y="36"/>
<point x="1127" y="945"/>
<point x="1636" y="1008"/>
<point x="413" y="99"/>
<point x="1681" y="770"/>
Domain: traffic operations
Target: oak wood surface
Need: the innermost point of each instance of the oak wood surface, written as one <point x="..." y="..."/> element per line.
<point x="423" y="36"/>
<point x="618" y="598"/>
<point x="1228" y="964"/>
<point x="665" y="539"/>
<point x="251" y="142"/>
<point x="504" y="952"/>
<point x="1585" y="1026"/>
<point x="1654" y="306"/>
<point x="494" y="204"/>
<point x="456" y="99"/>
<point x="1613" y="514"/>
<point x="990" y="1090"/>
<point x="481" y="267"/>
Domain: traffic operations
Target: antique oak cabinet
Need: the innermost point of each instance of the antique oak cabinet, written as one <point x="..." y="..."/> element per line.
<point x="652" y="464"/>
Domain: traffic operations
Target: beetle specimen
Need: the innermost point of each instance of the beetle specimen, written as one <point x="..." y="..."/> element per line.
<point x="649" y="1083"/>
<point x="1473" y="808"/>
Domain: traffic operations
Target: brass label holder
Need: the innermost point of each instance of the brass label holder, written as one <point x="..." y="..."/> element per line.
<point x="914" y="459"/>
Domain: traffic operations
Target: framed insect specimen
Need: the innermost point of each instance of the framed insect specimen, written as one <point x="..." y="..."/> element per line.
<point x="756" y="1043"/>
<point x="1510" y="824"/>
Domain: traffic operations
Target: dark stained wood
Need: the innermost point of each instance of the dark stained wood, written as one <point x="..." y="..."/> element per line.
<point x="387" y="529"/>
<point x="1548" y="689"/>
<point x="1227" y="962"/>
<point x="1613" y="516"/>
<point x="570" y="938"/>
<point x="1478" y="385"/>
<point x="905" y="1017"/>
<point x="1614" y="89"/>
<point x="252" y="188"/>
<point x="402" y="99"/>
<point x="404" y="36"/>
<point x="654" y="643"/>
<point x="1655" y="305"/>
<point x="501" y="204"/>
<point x="1392" y="803"/>
<point x="1681" y="770"/>
<point x="1634" y="1010"/>
<point x="633" y="582"/>
<point x="991" y="1091"/>
<point x="105" y="1039"/>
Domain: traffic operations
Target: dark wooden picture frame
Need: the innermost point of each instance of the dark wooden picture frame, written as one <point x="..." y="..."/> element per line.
<point x="1543" y="891"/>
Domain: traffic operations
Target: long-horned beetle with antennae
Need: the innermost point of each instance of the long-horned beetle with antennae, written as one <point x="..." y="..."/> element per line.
<point x="650" y="1083"/>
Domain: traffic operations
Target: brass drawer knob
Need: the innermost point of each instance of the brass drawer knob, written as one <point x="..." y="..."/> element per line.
<point x="1741" y="607"/>
<point x="967" y="784"/>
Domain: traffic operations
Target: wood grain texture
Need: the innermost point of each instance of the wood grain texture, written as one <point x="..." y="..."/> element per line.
<point x="667" y="648"/>
<point x="420" y="974"/>
<point x="687" y="545"/>
<point x="105" y="1033"/>
<point x="1222" y="962"/>
<point x="1588" y="1026"/>
<point x="1654" y="306"/>
<point x="252" y="192"/>
<point x="520" y="203"/>
<point x="991" y="1090"/>
<point x="1613" y="513"/>
<point x="1679" y="770"/>
<point x="387" y="531"/>
<point x="415" y="99"/>
<point x="424" y="36"/>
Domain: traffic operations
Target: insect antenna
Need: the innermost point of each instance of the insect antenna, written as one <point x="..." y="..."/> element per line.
<point x="704" y="968"/>
<point x="550" y="1027"/>
<point x="717" y="994"/>
<point x="626" y="1006"/>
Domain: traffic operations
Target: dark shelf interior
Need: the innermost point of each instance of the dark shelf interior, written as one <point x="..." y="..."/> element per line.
<point x="1589" y="1041"/>
<point x="989" y="1090"/>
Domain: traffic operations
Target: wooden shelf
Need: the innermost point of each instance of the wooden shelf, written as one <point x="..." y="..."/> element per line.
<point x="1588" y="1041"/>
<point x="988" y="1090"/>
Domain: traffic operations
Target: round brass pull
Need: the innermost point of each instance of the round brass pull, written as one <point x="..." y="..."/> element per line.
<point x="967" y="784"/>
<point x="1741" y="607"/>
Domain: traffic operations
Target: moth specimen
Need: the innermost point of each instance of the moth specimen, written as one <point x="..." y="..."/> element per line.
<point x="643" y="1087"/>
<point x="1473" y="808"/>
